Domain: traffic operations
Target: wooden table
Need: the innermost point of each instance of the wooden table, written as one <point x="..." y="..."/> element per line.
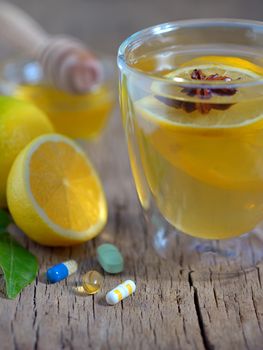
<point x="174" y="307"/>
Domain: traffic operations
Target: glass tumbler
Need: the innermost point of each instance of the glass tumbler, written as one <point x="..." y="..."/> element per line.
<point x="191" y="96"/>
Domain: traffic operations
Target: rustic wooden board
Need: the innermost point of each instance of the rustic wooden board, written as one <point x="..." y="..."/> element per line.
<point x="174" y="307"/>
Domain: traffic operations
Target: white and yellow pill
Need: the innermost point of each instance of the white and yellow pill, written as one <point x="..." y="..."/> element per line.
<point x="121" y="292"/>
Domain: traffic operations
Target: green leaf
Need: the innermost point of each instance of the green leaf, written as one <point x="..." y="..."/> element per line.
<point x="19" y="266"/>
<point x="5" y="220"/>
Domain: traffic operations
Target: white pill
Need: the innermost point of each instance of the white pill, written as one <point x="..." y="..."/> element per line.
<point x="121" y="292"/>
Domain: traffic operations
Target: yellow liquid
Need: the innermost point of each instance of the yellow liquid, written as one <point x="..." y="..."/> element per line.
<point x="81" y="116"/>
<point x="205" y="179"/>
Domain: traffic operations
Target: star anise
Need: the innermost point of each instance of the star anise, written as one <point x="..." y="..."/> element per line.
<point x="202" y="93"/>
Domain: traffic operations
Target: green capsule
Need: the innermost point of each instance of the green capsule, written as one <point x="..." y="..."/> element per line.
<point x="110" y="258"/>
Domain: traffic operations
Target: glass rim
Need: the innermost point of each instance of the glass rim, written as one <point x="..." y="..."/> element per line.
<point x="188" y="23"/>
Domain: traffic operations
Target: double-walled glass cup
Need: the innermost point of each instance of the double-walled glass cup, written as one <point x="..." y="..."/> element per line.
<point x="191" y="96"/>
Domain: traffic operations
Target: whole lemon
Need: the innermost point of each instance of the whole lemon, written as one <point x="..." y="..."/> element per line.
<point x="20" y="123"/>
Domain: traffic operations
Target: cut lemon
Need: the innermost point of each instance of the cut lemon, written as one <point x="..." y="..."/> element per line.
<point x="154" y="114"/>
<point x="238" y="69"/>
<point x="54" y="194"/>
<point x="221" y="147"/>
<point x="224" y="65"/>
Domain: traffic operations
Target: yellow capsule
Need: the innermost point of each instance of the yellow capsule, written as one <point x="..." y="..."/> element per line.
<point x="92" y="282"/>
<point x="121" y="292"/>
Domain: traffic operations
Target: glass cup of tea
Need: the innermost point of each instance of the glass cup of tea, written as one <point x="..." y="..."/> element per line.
<point x="191" y="97"/>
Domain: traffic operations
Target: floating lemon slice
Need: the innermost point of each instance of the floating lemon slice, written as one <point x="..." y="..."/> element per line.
<point x="154" y="114"/>
<point x="222" y="147"/>
<point x="54" y="194"/>
<point x="239" y="70"/>
<point x="241" y="114"/>
<point x="224" y="62"/>
<point x="233" y="67"/>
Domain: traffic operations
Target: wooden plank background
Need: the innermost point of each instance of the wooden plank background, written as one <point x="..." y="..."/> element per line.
<point x="174" y="308"/>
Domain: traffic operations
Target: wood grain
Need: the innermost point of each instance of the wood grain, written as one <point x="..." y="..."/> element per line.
<point x="174" y="307"/>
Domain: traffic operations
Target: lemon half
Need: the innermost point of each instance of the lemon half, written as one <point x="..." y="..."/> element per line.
<point x="54" y="194"/>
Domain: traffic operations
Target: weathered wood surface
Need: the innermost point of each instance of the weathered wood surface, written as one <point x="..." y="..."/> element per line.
<point x="174" y="307"/>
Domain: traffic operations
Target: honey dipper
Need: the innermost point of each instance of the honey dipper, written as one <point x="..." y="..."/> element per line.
<point x="66" y="62"/>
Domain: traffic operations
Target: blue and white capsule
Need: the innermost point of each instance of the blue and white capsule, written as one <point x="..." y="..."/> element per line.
<point x="61" y="271"/>
<point x="121" y="292"/>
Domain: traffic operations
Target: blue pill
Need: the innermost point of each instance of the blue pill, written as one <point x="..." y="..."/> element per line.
<point x="61" y="271"/>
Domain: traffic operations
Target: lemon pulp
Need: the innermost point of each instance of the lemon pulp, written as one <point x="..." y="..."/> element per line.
<point x="204" y="170"/>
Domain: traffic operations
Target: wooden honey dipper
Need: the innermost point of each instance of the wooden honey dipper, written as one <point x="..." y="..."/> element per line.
<point x="66" y="62"/>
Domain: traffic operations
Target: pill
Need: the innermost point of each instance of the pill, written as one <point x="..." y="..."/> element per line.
<point x="61" y="271"/>
<point x="121" y="292"/>
<point x="110" y="258"/>
<point x="92" y="282"/>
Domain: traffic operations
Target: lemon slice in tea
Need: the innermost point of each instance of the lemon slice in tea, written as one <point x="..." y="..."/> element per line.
<point x="233" y="67"/>
<point x="161" y="106"/>
<point x="221" y="147"/>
